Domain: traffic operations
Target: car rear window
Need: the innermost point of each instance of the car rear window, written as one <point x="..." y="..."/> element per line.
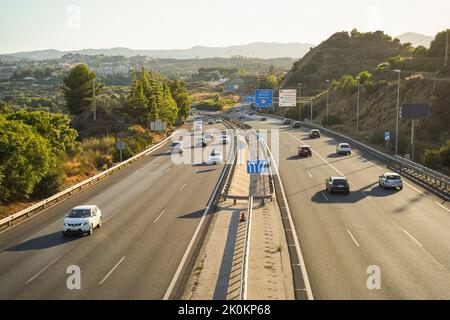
<point x="394" y="178"/>
<point x="305" y="149"/>
<point x="339" y="181"/>
<point x="345" y="146"/>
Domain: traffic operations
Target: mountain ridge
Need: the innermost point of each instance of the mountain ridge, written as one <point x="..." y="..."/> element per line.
<point x="264" y="50"/>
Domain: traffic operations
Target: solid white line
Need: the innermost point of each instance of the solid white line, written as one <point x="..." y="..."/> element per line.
<point x="324" y="196"/>
<point x="109" y="218"/>
<point x="184" y="185"/>
<point x="366" y="195"/>
<point x="414" y="239"/>
<point x="309" y="292"/>
<point x="414" y="188"/>
<point x="112" y="270"/>
<point x="353" y="238"/>
<point x="157" y="218"/>
<point x="43" y="270"/>
<point x="322" y="158"/>
<point x="440" y="205"/>
<point x="5" y="252"/>
<point x="373" y="164"/>
<point x="309" y="174"/>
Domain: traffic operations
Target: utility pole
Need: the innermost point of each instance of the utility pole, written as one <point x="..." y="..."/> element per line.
<point x="357" y="106"/>
<point x="446" y="49"/>
<point x="93" y="100"/>
<point x="328" y="97"/>
<point x="398" y="112"/>
<point x="299" y="102"/>
<point x="312" y="104"/>
<point x="412" y="139"/>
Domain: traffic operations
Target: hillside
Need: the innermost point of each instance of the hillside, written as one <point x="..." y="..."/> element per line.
<point x="416" y="39"/>
<point x="260" y="50"/>
<point x="342" y="53"/>
<point x="423" y="79"/>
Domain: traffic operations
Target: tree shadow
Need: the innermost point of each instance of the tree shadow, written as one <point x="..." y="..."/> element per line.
<point x="44" y="242"/>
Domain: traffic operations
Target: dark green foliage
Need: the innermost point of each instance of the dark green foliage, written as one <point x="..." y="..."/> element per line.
<point x="77" y="89"/>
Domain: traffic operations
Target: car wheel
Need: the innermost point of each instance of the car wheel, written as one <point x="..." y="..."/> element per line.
<point x="401" y="188"/>
<point x="91" y="230"/>
<point x="100" y="223"/>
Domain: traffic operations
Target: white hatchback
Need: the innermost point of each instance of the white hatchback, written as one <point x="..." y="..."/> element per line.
<point x="391" y="180"/>
<point x="343" y="148"/>
<point x="82" y="219"/>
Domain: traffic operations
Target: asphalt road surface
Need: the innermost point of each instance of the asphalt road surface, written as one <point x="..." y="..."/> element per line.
<point x="404" y="233"/>
<point x="150" y="212"/>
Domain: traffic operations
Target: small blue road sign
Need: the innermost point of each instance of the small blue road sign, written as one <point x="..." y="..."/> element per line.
<point x="387" y="136"/>
<point x="257" y="166"/>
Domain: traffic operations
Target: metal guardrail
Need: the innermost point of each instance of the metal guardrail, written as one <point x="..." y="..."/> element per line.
<point x="78" y="187"/>
<point x="441" y="180"/>
<point x="244" y="270"/>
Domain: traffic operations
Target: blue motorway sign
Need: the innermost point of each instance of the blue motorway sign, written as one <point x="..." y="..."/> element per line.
<point x="387" y="136"/>
<point x="257" y="166"/>
<point x="249" y="99"/>
<point x="263" y="98"/>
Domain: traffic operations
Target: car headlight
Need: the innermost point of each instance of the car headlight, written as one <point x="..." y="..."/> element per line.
<point x="66" y="224"/>
<point x="86" y="223"/>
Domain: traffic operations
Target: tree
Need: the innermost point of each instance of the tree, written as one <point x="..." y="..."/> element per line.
<point x="54" y="127"/>
<point x="182" y="98"/>
<point x="25" y="158"/>
<point x="77" y="89"/>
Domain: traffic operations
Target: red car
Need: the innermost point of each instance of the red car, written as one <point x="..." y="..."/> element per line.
<point x="304" y="151"/>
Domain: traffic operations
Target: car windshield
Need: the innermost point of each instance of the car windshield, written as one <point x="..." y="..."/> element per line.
<point x="174" y="144"/>
<point x="215" y="154"/>
<point x="396" y="178"/>
<point x="339" y="181"/>
<point x="80" y="213"/>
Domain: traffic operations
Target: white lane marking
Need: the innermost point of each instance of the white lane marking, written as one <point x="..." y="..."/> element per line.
<point x="112" y="270"/>
<point x="412" y="187"/>
<point x="109" y="218"/>
<point x="309" y="174"/>
<point x="322" y="158"/>
<point x="440" y="205"/>
<point x="5" y="252"/>
<point x="374" y="164"/>
<point x="181" y="189"/>
<point x="167" y="170"/>
<point x="157" y="218"/>
<point x="353" y="238"/>
<point x="414" y="239"/>
<point x="43" y="270"/>
<point x="325" y="196"/>
<point x="366" y="195"/>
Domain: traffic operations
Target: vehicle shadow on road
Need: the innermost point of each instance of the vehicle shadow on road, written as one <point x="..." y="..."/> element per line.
<point x="44" y="242"/>
<point x="193" y="215"/>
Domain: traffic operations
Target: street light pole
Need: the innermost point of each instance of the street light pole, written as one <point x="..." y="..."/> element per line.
<point x="328" y="96"/>
<point x="357" y="106"/>
<point x="446" y="49"/>
<point x="93" y="100"/>
<point x="398" y="112"/>
<point x="312" y="102"/>
<point x="299" y="102"/>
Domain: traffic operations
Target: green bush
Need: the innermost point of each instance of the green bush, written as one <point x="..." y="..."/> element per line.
<point x="50" y="184"/>
<point x="332" y="121"/>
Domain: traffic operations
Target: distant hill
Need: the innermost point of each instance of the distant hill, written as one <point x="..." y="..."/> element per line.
<point x="261" y="50"/>
<point x="416" y="39"/>
<point x="343" y="53"/>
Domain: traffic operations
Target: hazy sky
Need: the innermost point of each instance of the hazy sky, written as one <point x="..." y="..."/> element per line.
<point x="167" y="24"/>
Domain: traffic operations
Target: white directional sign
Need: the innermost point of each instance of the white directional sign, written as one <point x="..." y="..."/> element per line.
<point x="288" y="98"/>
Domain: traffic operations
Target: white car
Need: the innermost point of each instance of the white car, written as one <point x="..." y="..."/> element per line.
<point x="219" y="121"/>
<point x="343" y="148"/>
<point x="215" y="158"/>
<point x="177" y="147"/>
<point x="211" y="122"/>
<point x="391" y="180"/>
<point x="82" y="219"/>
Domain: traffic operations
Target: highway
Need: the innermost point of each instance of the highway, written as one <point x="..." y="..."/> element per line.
<point x="150" y="210"/>
<point x="406" y="234"/>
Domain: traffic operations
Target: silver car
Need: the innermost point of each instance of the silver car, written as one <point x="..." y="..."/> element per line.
<point x="391" y="180"/>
